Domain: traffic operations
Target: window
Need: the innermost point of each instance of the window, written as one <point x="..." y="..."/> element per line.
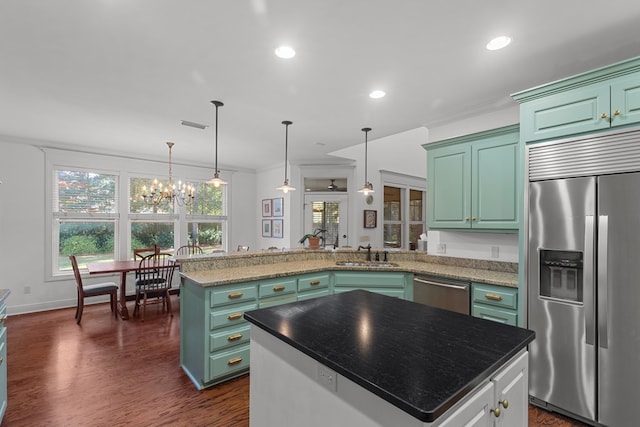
<point x="84" y="217"/>
<point x="404" y="216"/>
<point x="204" y="220"/>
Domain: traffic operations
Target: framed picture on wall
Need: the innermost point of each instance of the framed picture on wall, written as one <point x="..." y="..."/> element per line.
<point x="266" y="207"/>
<point x="370" y="219"/>
<point x="276" y="228"/>
<point x="277" y="206"/>
<point x="266" y="228"/>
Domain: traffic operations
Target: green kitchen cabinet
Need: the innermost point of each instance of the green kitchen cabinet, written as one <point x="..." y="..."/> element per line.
<point x="598" y="100"/>
<point x="496" y="303"/>
<point x="314" y="285"/>
<point x="393" y="284"/>
<point x="472" y="181"/>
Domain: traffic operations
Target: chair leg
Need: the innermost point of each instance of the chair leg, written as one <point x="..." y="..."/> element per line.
<point x="78" y="306"/>
<point x="169" y="303"/>
<point x="79" y="310"/>
<point x="144" y="305"/>
<point x="114" y="308"/>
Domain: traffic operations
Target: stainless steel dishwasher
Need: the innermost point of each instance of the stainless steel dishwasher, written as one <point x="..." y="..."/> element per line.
<point x="440" y="292"/>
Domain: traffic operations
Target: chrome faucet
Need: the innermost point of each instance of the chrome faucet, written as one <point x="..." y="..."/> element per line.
<point x="368" y="248"/>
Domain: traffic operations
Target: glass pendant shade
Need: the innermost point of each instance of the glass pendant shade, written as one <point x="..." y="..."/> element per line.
<point x="285" y="188"/>
<point x="367" y="188"/>
<point x="216" y="180"/>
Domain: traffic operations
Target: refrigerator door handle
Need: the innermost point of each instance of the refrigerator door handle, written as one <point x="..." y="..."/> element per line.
<point x="603" y="284"/>
<point x="589" y="304"/>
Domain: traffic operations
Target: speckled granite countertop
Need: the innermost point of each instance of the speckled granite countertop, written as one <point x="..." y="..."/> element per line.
<point x="431" y="358"/>
<point x="233" y="268"/>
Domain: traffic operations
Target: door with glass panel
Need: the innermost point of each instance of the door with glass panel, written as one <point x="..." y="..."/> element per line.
<point x="327" y="212"/>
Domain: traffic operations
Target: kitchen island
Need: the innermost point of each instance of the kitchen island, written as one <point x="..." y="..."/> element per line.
<point x="360" y="358"/>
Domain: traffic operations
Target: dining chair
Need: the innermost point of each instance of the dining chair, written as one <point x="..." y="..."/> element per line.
<point x="87" y="291"/>
<point x="189" y="250"/>
<point x="143" y="252"/>
<point x="153" y="282"/>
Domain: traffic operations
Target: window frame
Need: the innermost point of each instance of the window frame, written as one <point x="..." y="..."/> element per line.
<point x="405" y="183"/>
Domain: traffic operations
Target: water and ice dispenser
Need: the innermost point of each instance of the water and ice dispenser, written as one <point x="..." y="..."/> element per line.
<point x="561" y="275"/>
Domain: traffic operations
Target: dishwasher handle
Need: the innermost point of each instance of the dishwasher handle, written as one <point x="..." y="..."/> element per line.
<point x="444" y="285"/>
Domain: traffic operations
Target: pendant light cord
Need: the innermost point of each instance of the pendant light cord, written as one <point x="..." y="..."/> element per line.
<point x="286" y="123"/>
<point x="217" y="104"/>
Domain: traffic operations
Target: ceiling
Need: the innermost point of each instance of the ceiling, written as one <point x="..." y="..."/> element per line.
<point x="120" y="75"/>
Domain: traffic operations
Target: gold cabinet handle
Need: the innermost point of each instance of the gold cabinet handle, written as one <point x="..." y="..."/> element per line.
<point x="234" y="316"/>
<point x="496" y="412"/>
<point x="237" y="360"/>
<point x="278" y="288"/>
<point x="616" y="113"/>
<point x="233" y="295"/>
<point x="314" y="282"/>
<point x="504" y="403"/>
<point x="2" y="319"/>
<point x="603" y="115"/>
<point x="236" y="337"/>
<point x="493" y="297"/>
<point x="1" y="360"/>
<point x="473" y="218"/>
<point x="466" y="218"/>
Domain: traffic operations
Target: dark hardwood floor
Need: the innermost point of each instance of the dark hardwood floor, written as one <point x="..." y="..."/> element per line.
<point x="109" y="372"/>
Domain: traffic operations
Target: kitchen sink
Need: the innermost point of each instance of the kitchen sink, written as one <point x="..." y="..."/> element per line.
<point x="366" y="264"/>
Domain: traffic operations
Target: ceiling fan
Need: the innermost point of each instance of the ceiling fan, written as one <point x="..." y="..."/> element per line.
<point x="332" y="186"/>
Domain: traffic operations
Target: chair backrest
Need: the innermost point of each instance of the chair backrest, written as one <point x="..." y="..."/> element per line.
<point x="155" y="271"/>
<point x="242" y="248"/>
<point x="76" y="272"/>
<point x="189" y="250"/>
<point x="143" y="252"/>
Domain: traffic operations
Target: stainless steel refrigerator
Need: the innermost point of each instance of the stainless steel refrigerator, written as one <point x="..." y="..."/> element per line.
<point x="584" y="281"/>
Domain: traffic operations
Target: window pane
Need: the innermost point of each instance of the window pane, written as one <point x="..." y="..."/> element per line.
<point x="392" y="206"/>
<point x="138" y="187"/>
<point x="392" y="236"/>
<point x="414" y="234"/>
<point x="415" y="205"/>
<point x="89" y="241"/>
<point x="147" y="234"/>
<point x="326" y="216"/>
<point x="84" y="192"/>
<point x="207" y="235"/>
<point x="207" y="201"/>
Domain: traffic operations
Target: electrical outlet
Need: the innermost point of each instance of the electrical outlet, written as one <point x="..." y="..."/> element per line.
<point x="442" y="248"/>
<point x="495" y="252"/>
<point x="327" y="377"/>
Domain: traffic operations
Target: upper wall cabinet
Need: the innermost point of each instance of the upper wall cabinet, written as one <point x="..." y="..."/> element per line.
<point x="472" y="181"/>
<point x="593" y="101"/>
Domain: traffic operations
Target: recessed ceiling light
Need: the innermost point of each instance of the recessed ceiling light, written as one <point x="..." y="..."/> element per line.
<point x="285" y="52"/>
<point x="498" y="43"/>
<point x="377" y="94"/>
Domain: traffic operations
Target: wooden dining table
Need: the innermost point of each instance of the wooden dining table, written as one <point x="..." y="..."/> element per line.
<point x="122" y="267"/>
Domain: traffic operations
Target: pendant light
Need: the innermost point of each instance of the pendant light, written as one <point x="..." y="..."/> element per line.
<point x="368" y="187"/>
<point x="285" y="188"/>
<point x="216" y="181"/>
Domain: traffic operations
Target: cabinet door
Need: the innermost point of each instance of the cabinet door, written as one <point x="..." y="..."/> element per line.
<point x="449" y="186"/>
<point x="625" y="100"/>
<point x="494" y="193"/>
<point x="566" y="113"/>
<point x="511" y="393"/>
<point x="475" y="411"/>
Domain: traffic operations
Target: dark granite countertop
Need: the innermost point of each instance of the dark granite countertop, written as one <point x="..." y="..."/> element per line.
<point x="419" y="358"/>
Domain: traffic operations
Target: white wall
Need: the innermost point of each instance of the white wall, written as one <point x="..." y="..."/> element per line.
<point x="23" y="243"/>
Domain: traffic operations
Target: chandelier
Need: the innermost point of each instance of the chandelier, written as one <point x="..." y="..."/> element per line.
<point x="181" y="193"/>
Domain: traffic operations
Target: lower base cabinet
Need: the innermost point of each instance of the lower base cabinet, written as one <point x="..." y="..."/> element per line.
<point x="501" y="402"/>
<point x="214" y="337"/>
<point x="496" y="303"/>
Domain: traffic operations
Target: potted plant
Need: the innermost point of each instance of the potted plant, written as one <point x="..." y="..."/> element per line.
<point x="314" y="238"/>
